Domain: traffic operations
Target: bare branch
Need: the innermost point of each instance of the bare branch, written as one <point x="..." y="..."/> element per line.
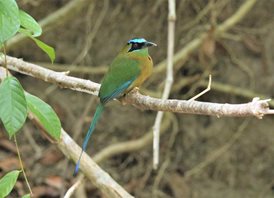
<point x="92" y="171"/>
<point x="204" y="91"/>
<point x="47" y="75"/>
<point x="73" y="188"/>
<point x="169" y="79"/>
<point x="235" y="90"/>
<point x="257" y="108"/>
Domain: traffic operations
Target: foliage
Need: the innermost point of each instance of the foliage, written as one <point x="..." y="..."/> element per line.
<point x="11" y="19"/>
<point x="7" y="182"/>
<point x="13" y="105"/>
<point x="45" y="114"/>
<point x="29" y="23"/>
<point x="26" y="196"/>
<point x="13" y="102"/>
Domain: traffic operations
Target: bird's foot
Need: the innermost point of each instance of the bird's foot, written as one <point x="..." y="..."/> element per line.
<point x="135" y="89"/>
<point x="123" y="99"/>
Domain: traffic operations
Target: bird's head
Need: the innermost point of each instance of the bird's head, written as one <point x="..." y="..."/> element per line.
<point x="137" y="45"/>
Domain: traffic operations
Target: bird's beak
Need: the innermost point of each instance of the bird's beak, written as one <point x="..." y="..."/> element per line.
<point x="149" y="44"/>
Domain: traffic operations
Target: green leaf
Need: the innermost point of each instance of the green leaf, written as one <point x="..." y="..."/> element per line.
<point x="46" y="48"/>
<point x="45" y="114"/>
<point x="9" y="19"/>
<point x="26" y="196"/>
<point x="30" y="23"/>
<point x="13" y="105"/>
<point x="7" y="182"/>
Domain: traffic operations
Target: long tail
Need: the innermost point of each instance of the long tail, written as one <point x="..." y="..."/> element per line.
<point x="99" y="110"/>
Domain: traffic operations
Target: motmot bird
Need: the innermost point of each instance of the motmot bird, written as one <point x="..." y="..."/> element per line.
<point x="129" y="69"/>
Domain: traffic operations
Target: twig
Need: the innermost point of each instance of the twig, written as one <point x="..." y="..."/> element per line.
<point x="21" y="165"/>
<point x="159" y="177"/>
<point x="166" y="162"/>
<point x="71" y="190"/>
<point x="230" y="89"/>
<point x="204" y="91"/>
<point x="186" y="81"/>
<point x="169" y="79"/>
<point x="81" y="191"/>
<point x="257" y="108"/>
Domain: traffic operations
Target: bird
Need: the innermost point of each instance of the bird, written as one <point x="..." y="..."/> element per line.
<point x="129" y="69"/>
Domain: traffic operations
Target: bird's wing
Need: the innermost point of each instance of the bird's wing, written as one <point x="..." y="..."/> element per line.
<point x="120" y="76"/>
<point x="117" y="92"/>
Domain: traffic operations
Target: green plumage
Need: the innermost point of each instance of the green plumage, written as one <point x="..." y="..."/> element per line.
<point x="129" y="69"/>
<point x="121" y="71"/>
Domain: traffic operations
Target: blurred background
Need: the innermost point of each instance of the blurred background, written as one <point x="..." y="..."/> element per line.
<point x="200" y="156"/>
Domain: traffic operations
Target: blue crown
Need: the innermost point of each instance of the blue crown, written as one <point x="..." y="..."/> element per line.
<point x="137" y="40"/>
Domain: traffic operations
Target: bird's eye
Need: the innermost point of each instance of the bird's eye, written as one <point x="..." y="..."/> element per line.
<point x="135" y="46"/>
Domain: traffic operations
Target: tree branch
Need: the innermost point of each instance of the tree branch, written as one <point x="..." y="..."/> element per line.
<point x="91" y="170"/>
<point x="169" y="79"/>
<point x="257" y="108"/>
<point x="59" y="78"/>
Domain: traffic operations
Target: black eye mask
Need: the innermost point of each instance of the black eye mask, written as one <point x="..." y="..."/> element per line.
<point x="136" y="46"/>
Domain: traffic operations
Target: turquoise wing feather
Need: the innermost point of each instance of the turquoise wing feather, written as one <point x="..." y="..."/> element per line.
<point x="121" y="75"/>
<point x="118" y="92"/>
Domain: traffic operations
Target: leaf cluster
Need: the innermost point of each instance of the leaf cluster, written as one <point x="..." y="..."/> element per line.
<point x="15" y="102"/>
<point x="14" y="20"/>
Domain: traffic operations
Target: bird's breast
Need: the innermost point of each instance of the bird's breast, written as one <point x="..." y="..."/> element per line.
<point x="146" y="67"/>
